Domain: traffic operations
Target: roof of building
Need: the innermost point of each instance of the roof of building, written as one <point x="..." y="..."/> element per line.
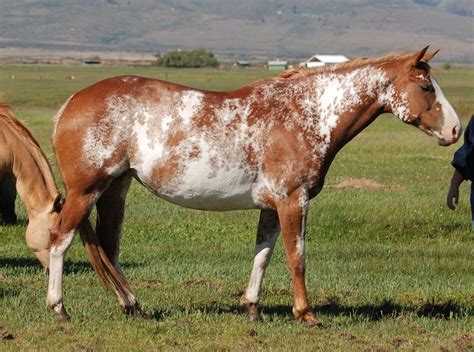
<point x="329" y="59"/>
<point x="277" y="62"/>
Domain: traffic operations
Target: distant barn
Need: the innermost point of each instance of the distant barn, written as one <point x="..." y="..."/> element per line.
<point x="93" y="61"/>
<point x="277" y="65"/>
<point x="322" y="60"/>
<point x="242" y="63"/>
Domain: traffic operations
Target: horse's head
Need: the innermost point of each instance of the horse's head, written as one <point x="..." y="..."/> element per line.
<point x="38" y="230"/>
<point x="421" y="101"/>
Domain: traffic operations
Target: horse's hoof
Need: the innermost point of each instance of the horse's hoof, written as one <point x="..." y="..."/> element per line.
<point x="253" y="314"/>
<point x="62" y="316"/>
<point x="308" y="318"/>
<point x="134" y="311"/>
<point x="60" y="313"/>
<point x="313" y="323"/>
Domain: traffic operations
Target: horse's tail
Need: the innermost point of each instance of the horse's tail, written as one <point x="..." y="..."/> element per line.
<point x="108" y="274"/>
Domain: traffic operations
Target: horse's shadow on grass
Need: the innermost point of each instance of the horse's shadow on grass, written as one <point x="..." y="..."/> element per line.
<point x="19" y="222"/>
<point x="376" y="312"/>
<point x="70" y="267"/>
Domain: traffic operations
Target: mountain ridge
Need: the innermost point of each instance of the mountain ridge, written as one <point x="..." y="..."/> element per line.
<point x="247" y="29"/>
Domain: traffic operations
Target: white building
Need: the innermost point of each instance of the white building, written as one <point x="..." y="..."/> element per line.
<point x="322" y="60"/>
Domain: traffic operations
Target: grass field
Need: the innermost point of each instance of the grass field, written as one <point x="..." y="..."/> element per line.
<point x="386" y="269"/>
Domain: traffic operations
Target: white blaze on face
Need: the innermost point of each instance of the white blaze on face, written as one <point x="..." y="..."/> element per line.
<point x="190" y="105"/>
<point x="451" y="119"/>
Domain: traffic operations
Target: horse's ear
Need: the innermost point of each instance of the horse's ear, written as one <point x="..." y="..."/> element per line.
<point x="418" y="56"/>
<point x="58" y="203"/>
<point x="429" y="56"/>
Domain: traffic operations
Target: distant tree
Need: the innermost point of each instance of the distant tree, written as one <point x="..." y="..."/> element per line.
<point x="459" y="10"/>
<point x="192" y="59"/>
<point x="446" y="66"/>
<point x="427" y="2"/>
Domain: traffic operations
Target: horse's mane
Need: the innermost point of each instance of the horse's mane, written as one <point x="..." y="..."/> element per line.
<point x="303" y="71"/>
<point x="22" y="133"/>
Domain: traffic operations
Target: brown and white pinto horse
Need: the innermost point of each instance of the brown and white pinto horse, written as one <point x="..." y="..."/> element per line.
<point x="24" y="168"/>
<point x="267" y="145"/>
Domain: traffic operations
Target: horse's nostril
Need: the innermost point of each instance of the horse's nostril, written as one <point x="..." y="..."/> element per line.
<point x="455" y="131"/>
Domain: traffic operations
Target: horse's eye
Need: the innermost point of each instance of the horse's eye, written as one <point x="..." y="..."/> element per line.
<point x="428" y="88"/>
<point x="416" y="122"/>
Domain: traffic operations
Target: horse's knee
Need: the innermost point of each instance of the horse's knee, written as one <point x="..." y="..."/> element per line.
<point x="60" y="242"/>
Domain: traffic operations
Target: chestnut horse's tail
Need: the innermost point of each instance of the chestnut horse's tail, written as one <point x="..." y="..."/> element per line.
<point x="108" y="274"/>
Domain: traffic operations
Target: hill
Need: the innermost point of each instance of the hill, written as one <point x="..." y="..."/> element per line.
<point x="245" y="29"/>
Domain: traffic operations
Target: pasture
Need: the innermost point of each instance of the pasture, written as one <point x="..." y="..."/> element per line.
<point x="386" y="268"/>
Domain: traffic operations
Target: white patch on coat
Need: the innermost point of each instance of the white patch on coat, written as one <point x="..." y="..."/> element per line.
<point x="149" y="149"/>
<point x="116" y="169"/>
<point x="335" y="95"/>
<point x="212" y="182"/>
<point x="190" y="105"/>
<point x="102" y="138"/>
<point x="129" y="79"/>
<point x="229" y="110"/>
<point x="166" y="122"/>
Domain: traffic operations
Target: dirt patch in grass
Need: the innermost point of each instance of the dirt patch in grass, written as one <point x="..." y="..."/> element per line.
<point x="5" y="335"/>
<point x="464" y="342"/>
<point x="363" y="183"/>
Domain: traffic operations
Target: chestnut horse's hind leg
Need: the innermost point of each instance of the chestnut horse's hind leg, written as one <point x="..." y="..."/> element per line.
<point x="110" y="214"/>
<point x="292" y="213"/>
<point x="7" y="199"/>
<point x="76" y="208"/>
<point x="267" y="234"/>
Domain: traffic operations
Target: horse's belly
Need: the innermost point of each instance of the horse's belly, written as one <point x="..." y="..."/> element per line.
<point x="200" y="186"/>
<point x="220" y="190"/>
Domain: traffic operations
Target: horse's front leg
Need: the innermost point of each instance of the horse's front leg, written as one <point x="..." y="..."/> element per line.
<point x="267" y="234"/>
<point x="292" y="213"/>
<point x="75" y="209"/>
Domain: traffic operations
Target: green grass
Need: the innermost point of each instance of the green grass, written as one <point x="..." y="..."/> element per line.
<point x="386" y="269"/>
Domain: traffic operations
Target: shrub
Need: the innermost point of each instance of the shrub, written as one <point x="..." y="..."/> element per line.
<point x="193" y="58"/>
<point x="446" y="66"/>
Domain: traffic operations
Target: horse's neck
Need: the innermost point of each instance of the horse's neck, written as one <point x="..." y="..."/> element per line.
<point x="342" y="103"/>
<point x="34" y="180"/>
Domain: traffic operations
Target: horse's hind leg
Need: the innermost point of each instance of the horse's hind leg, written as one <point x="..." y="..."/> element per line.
<point x="267" y="234"/>
<point x="110" y="214"/>
<point x="76" y="208"/>
<point x="7" y="199"/>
